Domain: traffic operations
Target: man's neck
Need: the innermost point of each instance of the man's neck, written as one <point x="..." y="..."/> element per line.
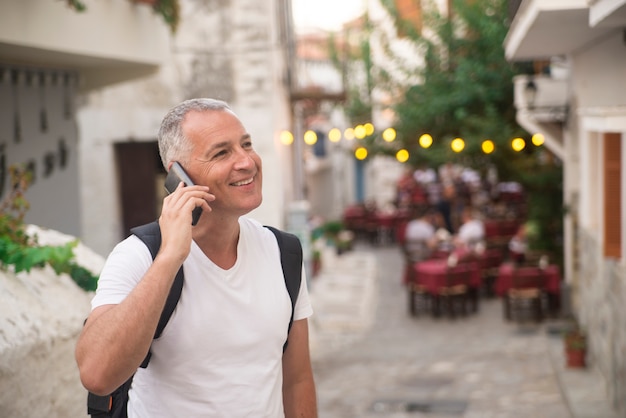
<point x="218" y="241"/>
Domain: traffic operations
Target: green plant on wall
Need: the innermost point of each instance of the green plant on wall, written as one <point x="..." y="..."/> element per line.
<point x="169" y="10"/>
<point x="22" y="252"/>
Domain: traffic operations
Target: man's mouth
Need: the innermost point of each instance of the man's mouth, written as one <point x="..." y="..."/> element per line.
<point x="243" y="182"/>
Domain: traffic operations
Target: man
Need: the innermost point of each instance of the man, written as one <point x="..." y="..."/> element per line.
<point x="221" y="354"/>
<point x="471" y="232"/>
<point x="419" y="240"/>
<point x="420" y="235"/>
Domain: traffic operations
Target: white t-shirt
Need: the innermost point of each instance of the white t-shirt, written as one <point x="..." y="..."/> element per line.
<point x="220" y="354"/>
<point x="418" y="233"/>
<point x="471" y="232"/>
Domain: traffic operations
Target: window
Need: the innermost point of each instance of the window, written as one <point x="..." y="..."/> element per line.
<point x="612" y="195"/>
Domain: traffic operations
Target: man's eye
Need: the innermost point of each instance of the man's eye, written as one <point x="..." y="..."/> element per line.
<point x="220" y="153"/>
<point x="247" y="144"/>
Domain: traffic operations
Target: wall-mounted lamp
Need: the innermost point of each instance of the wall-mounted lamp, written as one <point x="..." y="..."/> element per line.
<point x="530" y="93"/>
<point x="546" y="108"/>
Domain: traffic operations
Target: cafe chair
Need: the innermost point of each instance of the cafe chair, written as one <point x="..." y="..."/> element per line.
<point x="526" y="296"/>
<point x="451" y="299"/>
<point x="419" y="298"/>
<point x="489" y="265"/>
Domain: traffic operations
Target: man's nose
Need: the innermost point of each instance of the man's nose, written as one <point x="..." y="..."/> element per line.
<point x="243" y="160"/>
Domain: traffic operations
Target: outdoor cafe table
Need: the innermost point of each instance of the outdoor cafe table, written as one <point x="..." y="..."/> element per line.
<point x="504" y="281"/>
<point x="431" y="274"/>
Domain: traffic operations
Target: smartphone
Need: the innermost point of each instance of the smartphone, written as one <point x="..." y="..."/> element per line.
<point x="174" y="177"/>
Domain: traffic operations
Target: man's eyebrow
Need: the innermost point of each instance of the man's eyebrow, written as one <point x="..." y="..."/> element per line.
<point x="224" y="144"/>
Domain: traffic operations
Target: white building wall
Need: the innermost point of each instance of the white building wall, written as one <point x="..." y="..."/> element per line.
<point x="601" y="108"/>
<point x="231" y="53"/>
<point x="47" y="146"/>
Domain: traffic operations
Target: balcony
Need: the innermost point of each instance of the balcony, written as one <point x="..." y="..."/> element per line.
<point x="112" y="41"/>
<point x="543" y="97"/>
<point x="545" y="28"/>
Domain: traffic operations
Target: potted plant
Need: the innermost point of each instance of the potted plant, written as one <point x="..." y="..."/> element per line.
<point x="575" y="344"/>
<point x="337" y="236"/>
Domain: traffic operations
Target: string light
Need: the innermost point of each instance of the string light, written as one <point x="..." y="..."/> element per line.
<point x="518" y="144"/>
<point x="310" y="137"/>
<point x="360" y="132"/>
<point x="425" y="141"/>
<point x="402" y="156"/>
<point x="389" y="134"/>
<point x="334" y="135"/>
<point x="538" y="139"/>
<point x="360" y="153"/>
<point x="457" y="145"/>
<point x="286" y="137"/>
<point x="488" y="146"/>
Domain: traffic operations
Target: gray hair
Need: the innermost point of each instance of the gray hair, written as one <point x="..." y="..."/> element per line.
<point x="173" y="145"/>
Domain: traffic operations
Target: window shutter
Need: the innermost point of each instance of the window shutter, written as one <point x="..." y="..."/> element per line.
<point x="612" y="195"/>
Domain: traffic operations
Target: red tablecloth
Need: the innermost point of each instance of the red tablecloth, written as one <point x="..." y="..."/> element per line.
<point x="432" y="273"/>
<point x="504" y="280"/>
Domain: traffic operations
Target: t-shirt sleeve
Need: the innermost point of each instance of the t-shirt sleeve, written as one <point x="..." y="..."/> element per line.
<point x="123" y="269"/>
<point x="303" y="308"/>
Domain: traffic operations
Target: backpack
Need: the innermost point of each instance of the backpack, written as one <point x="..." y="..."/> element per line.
<point x="115" y="404"/>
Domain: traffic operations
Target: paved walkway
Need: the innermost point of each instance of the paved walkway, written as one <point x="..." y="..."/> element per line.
<point x="371" y="359"/>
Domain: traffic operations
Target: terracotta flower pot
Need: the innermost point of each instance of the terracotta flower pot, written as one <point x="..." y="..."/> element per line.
<point x="576" y="358"/>
<point x="575" y="348"/>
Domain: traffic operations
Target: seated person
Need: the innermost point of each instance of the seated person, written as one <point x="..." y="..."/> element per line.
<point x="471" y="232"/>
<point x="518" y="245"/>
<point x="420" y="238"/>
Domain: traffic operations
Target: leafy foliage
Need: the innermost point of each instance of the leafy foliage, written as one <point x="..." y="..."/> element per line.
<point x="169" y="10"/>
<point x="465" y="87"/>
<point x="21" y="251"/>
<point x="461" y="86"/>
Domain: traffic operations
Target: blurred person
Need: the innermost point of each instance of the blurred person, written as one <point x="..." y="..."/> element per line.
<point x="518" y="245"/>
<point x="445" y="204"/>
<point x="221" y="354"/>
<point x="471" y="232"/>
<point x="419" y="238"/>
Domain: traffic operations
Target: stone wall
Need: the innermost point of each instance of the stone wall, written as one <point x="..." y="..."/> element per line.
<point x="41" y="315"/>
<point x="602" y="313"/>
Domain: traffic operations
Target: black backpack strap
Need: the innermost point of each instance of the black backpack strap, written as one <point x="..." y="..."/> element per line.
<point x="291" y="262"/>
<point x="150" y="234"/>
<point x="115" y="404"/>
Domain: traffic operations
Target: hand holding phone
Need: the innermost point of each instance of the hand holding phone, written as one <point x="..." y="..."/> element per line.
<point x="173" y="179"/>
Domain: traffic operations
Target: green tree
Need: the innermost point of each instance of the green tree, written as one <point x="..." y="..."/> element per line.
<point x="463" y="87"/>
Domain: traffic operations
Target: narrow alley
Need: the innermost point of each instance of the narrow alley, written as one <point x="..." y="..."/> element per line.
<point x="372" y="359"/>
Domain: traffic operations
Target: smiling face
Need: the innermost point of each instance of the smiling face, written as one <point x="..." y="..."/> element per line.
<point x="223" y="159"/>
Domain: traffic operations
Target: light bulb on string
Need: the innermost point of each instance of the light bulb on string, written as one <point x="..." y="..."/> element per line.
<point x="286" y="138"/>
<point x="334" y="135"/>
<point x="310" y="137"/>
<point x="488" y="146"/>
<point x="425" y="141"/>
<point x="457" y="145"/>
<point x="402" y="156"/>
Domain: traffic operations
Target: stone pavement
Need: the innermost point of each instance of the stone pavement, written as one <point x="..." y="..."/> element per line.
<point x="371" y="359"/>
